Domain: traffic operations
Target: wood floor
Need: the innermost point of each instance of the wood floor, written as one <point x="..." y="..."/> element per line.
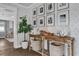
<point x="6" y="49"/>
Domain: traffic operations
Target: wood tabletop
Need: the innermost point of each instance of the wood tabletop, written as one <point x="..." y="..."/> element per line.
<point x="51" y="36"/>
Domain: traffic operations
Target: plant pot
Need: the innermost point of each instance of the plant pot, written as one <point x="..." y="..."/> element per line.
<point x="36" y="45"/>
<point x="25" y="45"/>
<point x="20" y="39"/>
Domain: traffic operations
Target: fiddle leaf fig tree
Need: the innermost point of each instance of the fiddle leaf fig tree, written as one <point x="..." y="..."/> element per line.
<point x="24" y="27"/>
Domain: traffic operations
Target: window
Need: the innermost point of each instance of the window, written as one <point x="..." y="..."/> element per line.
<point x="2" y="28"/>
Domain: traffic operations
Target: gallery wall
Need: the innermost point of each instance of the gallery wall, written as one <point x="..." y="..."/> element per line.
<point x="71" y="28"/>
<point x="54" y="28"/>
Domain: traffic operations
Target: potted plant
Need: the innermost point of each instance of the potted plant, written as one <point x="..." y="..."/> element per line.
<point x="24" y="28"/>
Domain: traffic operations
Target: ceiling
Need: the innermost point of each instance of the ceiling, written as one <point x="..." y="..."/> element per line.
<point x="26" y="4"/>
<point x="20" y="5"/>
<point x="10" y="12"/>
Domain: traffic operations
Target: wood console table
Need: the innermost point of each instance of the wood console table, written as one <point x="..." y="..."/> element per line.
<point x="51" y="37"/>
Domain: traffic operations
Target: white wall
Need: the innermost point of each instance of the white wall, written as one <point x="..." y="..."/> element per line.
<point x="73" y="26"/>
<point x="74" y="23"/>
<point x="20" y="12"/>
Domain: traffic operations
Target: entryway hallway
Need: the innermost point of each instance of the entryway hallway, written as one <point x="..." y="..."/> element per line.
<point x="6" y="49"/>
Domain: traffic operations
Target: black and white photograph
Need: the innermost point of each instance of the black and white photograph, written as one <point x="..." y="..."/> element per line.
<point x="50" y="20"/>
<point x="62" y="6"/>
<point x="63" y="18"/>
<point x="50" y="7"/>
<point x="34" y="12"/>
<point x="34" y="22"/>
<point x="41" y="9"/>
<point x="41" y="21"/>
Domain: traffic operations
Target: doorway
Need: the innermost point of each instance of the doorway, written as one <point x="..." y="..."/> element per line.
<point x="2" y="29"/>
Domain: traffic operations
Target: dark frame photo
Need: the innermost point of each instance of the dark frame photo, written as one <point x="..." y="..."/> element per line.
<point x="41" y="21"/>
<point x="41" y="9"/>
<point x="50" y="20"/>
<point x="61" y="6"/>
<point x="50" y="7"/>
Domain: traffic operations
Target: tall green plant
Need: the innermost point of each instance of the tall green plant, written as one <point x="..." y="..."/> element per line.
<point x="23" y="26"/>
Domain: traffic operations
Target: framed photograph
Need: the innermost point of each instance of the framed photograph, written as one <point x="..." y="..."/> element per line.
<point x="34" y="22"/>
<point x="62" y="5"/>
<point x="34" y="13"/>
<point x="63" y="18"/>
<point x="50" y="7"/>
<point x="41" y="21"/>
<point x="41" y="9"/>
<point x="50" y="20"/>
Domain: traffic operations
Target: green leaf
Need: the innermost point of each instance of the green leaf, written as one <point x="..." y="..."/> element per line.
<point x="23" y="26"/>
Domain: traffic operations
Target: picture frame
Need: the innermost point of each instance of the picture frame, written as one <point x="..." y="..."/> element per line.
<point x="62" y="6"/>
<point x="63" y="18"/>
<point x="34" y="12"/>
<point x="41" y="9"/>
<point x="50" y="21"/>
<point x="50" y="7"/>
<point x="34" y="22"/>
<point x="41" y="21"/>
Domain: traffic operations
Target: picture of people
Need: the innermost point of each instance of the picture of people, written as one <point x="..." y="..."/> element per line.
<point x="41" y="10"/>
<point x="50" y="20"/>
<point x="41" y="21"/>
<point x="50" y="6"/>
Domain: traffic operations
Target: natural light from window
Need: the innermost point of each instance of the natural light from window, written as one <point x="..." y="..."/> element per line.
<point x="2" y="29"/>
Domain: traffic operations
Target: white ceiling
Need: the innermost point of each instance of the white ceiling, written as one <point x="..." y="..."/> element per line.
<point x="18" y="5"/>
<point x="10" y="12"/>
<point x="26" y="4"/>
